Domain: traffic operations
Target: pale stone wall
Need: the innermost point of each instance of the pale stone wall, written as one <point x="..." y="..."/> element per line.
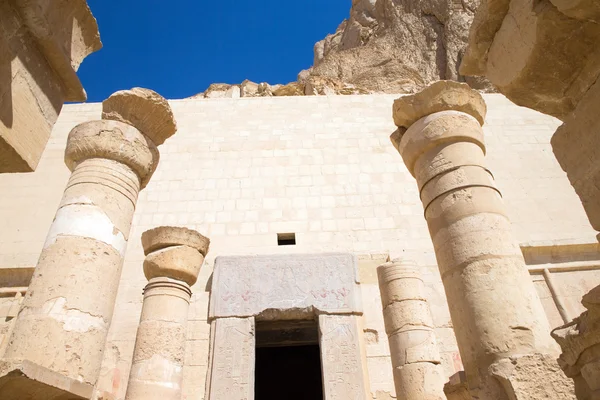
<point x="242" y="170"/>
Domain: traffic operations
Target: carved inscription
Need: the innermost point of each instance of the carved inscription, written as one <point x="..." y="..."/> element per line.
<point x="232" y="375"/>
<point x="343" y="373"/>
<point x="246" y="286"/>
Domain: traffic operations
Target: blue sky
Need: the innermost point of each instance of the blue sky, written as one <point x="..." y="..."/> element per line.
<point x="179" y="47"/>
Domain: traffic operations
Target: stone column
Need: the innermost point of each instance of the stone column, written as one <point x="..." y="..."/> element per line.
<point x="61" y="329"/>
<point x="410" y="330"/>
<point x="173" y="260"/>
<point x="501" y="329"/>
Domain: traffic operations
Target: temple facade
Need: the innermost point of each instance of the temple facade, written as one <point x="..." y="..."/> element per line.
<point x="303" y="253"/>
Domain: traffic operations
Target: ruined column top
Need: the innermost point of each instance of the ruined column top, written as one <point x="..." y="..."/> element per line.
<point x="144" y="109"/>
<point x="166" y="236"/>
<point x="439" y="96"/>
<point x="112" y="140"/>
<point x="174" y="252"/>
<point x="397" y="269"/>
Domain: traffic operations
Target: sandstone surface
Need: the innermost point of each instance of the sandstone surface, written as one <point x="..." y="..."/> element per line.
<point x="397" y="46"/>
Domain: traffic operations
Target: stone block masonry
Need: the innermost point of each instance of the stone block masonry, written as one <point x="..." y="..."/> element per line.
<point x="243" y="170"/>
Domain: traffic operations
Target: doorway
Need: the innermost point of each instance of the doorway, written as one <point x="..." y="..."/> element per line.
<point x="288" y="361"/>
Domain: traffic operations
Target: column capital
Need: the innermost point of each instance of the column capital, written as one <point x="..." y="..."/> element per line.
<point x="112" y="140"/>
<point x="439" y="96"/>
<point x="144" y="109"/>
<point x="397" y="269"/>
<point x="174" y="252"/>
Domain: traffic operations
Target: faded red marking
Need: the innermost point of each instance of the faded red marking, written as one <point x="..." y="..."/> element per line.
<point x="116" y="380"/>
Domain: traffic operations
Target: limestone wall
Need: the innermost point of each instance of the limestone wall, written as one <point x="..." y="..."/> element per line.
<point x="242" y="170"/>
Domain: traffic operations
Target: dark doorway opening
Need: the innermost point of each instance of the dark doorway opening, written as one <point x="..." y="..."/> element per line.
<point x="288" y="361"/>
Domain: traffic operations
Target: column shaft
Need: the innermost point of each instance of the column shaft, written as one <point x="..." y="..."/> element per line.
<point x="411" y="334"/>
<point x="495" y="309"/>
<point x="158" y="358"/>
<point x="500" y="325"/>
<point x="57" y="344"/>
<point x="83" y="254"/>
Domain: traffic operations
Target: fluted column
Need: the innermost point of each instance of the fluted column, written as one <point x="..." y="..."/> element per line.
<point x="173" y="260"/>
<point x="62" y="326"/>
<point x="411" y="334"/>
<point x="501" y="329"/>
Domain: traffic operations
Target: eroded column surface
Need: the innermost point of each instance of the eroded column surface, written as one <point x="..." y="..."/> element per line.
<point x="410" y="330"/>
<point x="61" y="327"/>
<point x="173" y="260"/>
<point x="502" y="332"/>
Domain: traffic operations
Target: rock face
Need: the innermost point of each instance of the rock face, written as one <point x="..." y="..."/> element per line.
<point x="305" y="86"/>
<point x="386" y="46"/>
<point x="397" y="46"/>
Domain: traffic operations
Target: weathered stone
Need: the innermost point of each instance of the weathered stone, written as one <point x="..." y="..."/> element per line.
<point x="342" y="360"/>
<point x="480" y="262"/>
<point x="580" y="9"/>
<point x="25" y="380"/>
<point x="249" y="286"/>
<point x="215" y="91"/>
<point x="488" y="19"/>
<point x="232" y="339"/>
<point x="318" y="85"/>
<point x="166" y="236"/>
<point x="387" y="46"/>
<point x="179" y="262"/>
<point x="580" y="344"/>
<point x="112" y="140"/>
<point x="526" y="377"/>
<point x="439" y="96"/>
<point x="83" y="253"/>
<point x="291" y="89"/>
<point x="576" y="145"/>
<point x="535" y="54"/>
<point x="233" y="92"/>
<point x="158" y="358"/>
<point x="171" y="267"/>
<point x="457" y="388"/>
<point x="248" y="89"/>
<point x="144" y="109"/>
<point x="411" y="335"/>
<point x="66" y="33"/>
<point x="41" y="47"/>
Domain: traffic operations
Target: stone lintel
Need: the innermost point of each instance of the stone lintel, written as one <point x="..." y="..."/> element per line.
<point x="293" y="286"/>
<point x="24" y="380"/>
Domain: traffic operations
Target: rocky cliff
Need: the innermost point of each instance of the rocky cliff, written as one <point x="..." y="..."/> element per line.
<point x="386" y="46"/>
<point x="397" y="46"/>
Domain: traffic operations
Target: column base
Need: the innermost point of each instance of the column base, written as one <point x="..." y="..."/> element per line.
<point x="25" y="380"/>
<point x="533" y="376"/>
